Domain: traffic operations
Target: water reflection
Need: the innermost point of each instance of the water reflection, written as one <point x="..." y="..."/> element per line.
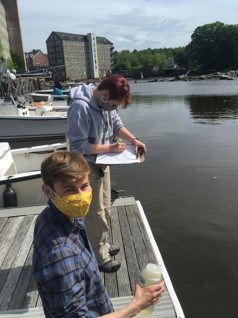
<point x="212" y="108"/>
<point x="204" y="109"/>
<point x="155" y="99"/>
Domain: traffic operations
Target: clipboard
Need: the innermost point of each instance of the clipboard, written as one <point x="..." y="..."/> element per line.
<point x="128" y="156"/>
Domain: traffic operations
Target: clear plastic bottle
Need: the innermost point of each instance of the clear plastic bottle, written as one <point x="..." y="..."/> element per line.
<point x="150" y="275"/>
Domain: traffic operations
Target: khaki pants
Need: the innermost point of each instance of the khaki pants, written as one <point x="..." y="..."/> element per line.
<point x="98" y="218"/>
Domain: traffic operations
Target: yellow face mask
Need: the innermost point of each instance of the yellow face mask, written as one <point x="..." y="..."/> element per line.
<point x="73" y="205"/>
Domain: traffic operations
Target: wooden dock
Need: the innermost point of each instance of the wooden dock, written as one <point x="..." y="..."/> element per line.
<point x="129" y="229"/>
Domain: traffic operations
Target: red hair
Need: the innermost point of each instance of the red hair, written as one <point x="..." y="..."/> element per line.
<point x="118" y="88"/>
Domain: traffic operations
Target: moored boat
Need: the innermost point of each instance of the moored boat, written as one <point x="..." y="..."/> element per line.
<point x="19" y="122"/>
<point x="20" y="169"/>
<point x="41" y="97"/>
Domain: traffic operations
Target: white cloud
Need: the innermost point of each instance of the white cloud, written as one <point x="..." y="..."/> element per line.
<point x="134" y="24"/>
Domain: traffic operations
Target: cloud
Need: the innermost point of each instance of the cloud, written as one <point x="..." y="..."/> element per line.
<point x="134" y="24"/>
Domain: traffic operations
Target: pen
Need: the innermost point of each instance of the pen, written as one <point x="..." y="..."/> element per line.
<point x="116" y="139"/>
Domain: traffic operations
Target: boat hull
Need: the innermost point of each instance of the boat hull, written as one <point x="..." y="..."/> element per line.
<point x="30" y="159"/>
<point x="27" y="187"/>
<point x="13" y="128"/>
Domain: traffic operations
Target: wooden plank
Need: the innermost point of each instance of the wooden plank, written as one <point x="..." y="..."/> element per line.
<point x="11" y="238"/>
<point x="111" y="284"/>
<point x="15" y="271"/>
<point x="31" y="296"/>
<point x="110" y="281"/>
<point x="17" y="211"/>
<point x="132" y="265"/>
<point x="3" y="221"/>
<point x="140" y="247"/>
<point x="22" y="284"/>
<point x="122" y="201"/>
<point x="149" y="248"/>
<point x="124" y="287"/>
<point x="7" y="238"/>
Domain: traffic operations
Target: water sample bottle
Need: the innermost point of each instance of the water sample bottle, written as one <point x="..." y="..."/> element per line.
<point x="150" y="275"/>
<point x="9" y="196"/>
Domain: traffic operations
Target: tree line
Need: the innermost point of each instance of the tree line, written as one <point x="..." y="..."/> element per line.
<point x="213" y="47"/>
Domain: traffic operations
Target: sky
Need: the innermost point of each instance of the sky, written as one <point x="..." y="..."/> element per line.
<point x="128" y="24"/>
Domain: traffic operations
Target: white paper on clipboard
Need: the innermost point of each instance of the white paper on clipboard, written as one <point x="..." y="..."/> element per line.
<point x="128" y="156"/>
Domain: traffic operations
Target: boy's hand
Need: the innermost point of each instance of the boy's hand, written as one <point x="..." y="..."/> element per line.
<point x="149" y="295"/>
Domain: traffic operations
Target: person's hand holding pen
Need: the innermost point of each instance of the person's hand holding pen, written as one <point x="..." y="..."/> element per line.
<point x="117" y="147"/>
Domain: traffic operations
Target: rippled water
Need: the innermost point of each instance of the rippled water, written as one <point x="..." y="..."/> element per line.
<point x="188" y="186"/>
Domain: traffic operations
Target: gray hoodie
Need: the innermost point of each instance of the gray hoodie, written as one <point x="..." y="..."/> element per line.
<point x="87" y="124"/>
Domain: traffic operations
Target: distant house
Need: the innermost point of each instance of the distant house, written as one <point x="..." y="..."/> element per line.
<point x="170" y="64"/>
<point x="36" y="59"/>
<point x="76" y="56"/>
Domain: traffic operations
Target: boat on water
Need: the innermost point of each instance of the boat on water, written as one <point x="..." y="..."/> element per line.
<point x="54" y="94"/>
<point x="50" y="91"/>
<point x="20" y="169"/>
<point x="47" y="97"/>
<point x="36" y="97"/>
<point x="27" y="122"/>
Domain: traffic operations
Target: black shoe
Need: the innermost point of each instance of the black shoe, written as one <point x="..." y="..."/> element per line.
<point x="114" y="250"/>
<point x="110" y="267"/>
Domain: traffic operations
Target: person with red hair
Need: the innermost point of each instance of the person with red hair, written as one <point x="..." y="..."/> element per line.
<point x="92" y="124"/>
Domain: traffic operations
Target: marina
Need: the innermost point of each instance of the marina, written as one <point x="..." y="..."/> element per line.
<point x="129" y="228"/>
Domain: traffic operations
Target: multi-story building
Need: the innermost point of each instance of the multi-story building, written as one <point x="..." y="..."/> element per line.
<point x="36" y="59"/>
<point x="78" y="57"/>
<point x="10" y="30"/>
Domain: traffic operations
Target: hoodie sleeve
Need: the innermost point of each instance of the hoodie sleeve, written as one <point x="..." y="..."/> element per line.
<point x="78" y="127"/>
<point x="116" y="122"/>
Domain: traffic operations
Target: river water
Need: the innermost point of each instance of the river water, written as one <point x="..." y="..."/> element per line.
<point x="188" y="186"/>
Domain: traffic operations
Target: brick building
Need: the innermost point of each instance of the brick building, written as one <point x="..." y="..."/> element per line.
<point x="10" y="30"/>
<point x="36" y="59"/>
<point x="77" y="57"/>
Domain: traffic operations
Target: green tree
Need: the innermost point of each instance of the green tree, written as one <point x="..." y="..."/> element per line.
<point x="180" y="57"/>
<point x="159" y="60"/>
<point x="214" y="46"/>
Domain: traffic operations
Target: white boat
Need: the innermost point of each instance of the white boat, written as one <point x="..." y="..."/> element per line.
<point x="36" y="97"/>
<point x="60" y="97"/>
<point x="21" y="169"/>
<point x="50" y="91"/>
<point x="51" y="94"/>
<point x="19" y="122"/>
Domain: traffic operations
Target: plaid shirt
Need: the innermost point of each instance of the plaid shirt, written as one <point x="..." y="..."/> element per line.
<point x="65" y="268"/>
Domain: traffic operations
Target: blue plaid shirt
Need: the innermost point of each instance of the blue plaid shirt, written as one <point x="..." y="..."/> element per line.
<point x="65" y="268"/>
